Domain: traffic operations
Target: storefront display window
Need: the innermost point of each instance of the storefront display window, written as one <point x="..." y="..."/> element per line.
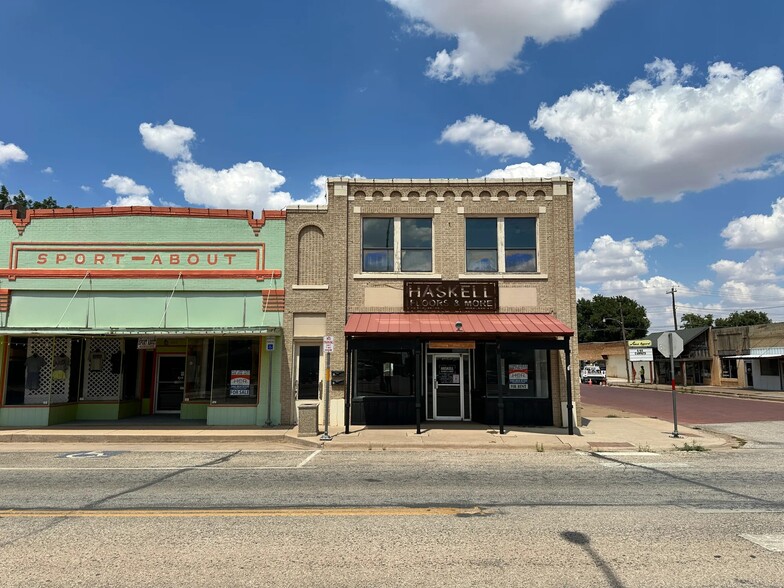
<point x="384" y="373"/>
<point x="524" y="373"/>
<point x="198" y="369"/>
<point x="43" y="370"/>
<point x="235" y="371"/>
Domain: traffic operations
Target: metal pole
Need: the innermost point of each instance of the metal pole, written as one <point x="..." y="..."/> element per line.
<point x="418" y="386"/>
<point x="672" y="378"/>
<point x="325" y="436"/>
<point x="500" y="387"/>
<point x="348" y="388"/>
<point x="570" y="416"/>
<point x="269" y="388"/>
<point x="625" y="346"/>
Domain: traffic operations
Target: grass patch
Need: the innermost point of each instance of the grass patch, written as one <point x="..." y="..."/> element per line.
<point x="644" y="448"/>
<point x="540" y="447"/>
<point x="693" y="446"/>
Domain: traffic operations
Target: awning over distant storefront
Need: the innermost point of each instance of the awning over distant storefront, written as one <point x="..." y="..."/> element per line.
<point x="770" y="352"/>
<point x="536" y="324"/>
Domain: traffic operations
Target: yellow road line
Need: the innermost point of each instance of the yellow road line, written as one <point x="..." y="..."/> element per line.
<point x="250" y="512"/>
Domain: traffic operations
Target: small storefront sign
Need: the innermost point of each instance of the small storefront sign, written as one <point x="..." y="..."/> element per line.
<point x="146" y="343"/>
<point x="450" y="296"/>
<point x="447" y="374"/>
<point x="641" y="354"/>
<point x="640" y="343"/>
<point x="518" y="376"/>
<point x="239" y="383"/>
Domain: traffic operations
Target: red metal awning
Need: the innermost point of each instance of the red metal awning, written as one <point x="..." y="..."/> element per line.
<point x="444" y="324"/>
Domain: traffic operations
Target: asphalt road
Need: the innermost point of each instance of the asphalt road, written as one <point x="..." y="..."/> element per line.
<point x="692" y="408"/>
<point x="286" y="518"/>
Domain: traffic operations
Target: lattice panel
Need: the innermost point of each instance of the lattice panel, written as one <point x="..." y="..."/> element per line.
<point x="59" y="388"/>
<point x="103" y="384"/>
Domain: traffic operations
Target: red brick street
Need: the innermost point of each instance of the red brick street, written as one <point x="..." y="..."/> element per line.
<point x="692" y="408"/>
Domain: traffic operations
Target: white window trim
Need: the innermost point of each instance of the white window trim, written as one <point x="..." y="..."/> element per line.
<point x="501" y="253"/>
<point x="397" y="251"/>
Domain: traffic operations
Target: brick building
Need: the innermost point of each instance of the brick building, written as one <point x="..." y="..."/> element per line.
<point x="447" y="300"/>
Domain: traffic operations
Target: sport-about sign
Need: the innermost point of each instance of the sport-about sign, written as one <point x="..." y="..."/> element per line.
<point x="450" y="296"/>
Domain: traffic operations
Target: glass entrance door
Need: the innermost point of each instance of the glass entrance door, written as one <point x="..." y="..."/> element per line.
<point x="448" y="387"/>
<point x="170" y="388"/>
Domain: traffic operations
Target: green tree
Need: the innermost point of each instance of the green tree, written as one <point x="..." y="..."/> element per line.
<point x="46" y="203"/>
<point x="591" y="325"/>
<point x="744" y="319"/>
<point x="22" y="201"/>
<point x="4" y="197"/>
<point x="691" y="320"/>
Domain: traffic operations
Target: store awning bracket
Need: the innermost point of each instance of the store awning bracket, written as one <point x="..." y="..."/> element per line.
<point x="62" y="316"/>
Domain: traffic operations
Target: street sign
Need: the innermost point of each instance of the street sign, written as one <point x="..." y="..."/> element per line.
<point x="329" y="344"/>
<point x="663" y="344"/>
<point x="270" y="342"/>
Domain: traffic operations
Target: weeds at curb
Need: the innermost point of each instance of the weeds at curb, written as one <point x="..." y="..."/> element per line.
<point x="644" y="448"/>
<point x="540" y="447"/>
<point x="694" y="446"/>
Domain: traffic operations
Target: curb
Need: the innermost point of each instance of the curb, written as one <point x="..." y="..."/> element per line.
<point x="157" y="439"/>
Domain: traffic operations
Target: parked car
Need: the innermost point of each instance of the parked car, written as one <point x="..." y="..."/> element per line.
<point x="593" y="374"/>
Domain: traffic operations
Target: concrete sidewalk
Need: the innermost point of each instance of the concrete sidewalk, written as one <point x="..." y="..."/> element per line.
<point x="596" y="434"/>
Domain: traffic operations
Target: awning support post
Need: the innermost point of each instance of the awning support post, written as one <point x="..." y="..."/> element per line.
<point x="569" y="415"/>
<point x="498" y="367"/>
<point x="418" y="386"/>
<point x="347" y="392"/>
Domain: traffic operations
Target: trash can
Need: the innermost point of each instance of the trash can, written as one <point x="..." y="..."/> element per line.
<point x="308" y="419"/>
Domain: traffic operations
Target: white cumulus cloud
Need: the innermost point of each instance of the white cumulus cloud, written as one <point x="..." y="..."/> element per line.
<point x="170" y="139"/>
<point x="131" y="193"/>
<point x="250" y="185"/>
<point x="757" y="231"/>
<point x="662" y="137"/>
<point x="585" y="196"/>
<point x="487" y="137"/>
<point x="490" y="35"/>
<point x="11" y="152"/>
<point x="47" y="170"/>
<point x="85" y="188"/>
<point x="608" y="259"/>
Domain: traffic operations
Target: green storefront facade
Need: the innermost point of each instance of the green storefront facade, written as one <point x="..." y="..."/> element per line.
<point x="111" y="313"/>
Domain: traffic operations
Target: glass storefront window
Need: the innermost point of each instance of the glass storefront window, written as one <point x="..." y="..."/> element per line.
<point x="235" y="377"/>
<point x="524" y="373"/>
<point x="198" y="369"/>
<point x="43" y="370"/>
<point x="383" y="373"/>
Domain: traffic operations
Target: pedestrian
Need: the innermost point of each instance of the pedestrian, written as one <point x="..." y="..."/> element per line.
<point x="642" y="374"/>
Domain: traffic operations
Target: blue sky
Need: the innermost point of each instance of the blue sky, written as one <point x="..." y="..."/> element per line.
<point x="670" y="114"/>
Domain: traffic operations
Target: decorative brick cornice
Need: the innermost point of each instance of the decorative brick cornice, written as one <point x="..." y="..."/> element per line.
<point x="5" y="299"/>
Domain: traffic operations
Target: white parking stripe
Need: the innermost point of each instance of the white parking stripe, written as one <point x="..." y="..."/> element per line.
<point x="308" y="458"/>
<point x="773" y="542"/>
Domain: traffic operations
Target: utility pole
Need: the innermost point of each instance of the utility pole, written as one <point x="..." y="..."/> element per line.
<point x="625" y="345"/>
<point x="674" y="319"/>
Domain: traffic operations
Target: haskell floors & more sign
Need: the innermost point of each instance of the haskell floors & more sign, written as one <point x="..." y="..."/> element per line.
<point x="450" y="296"/>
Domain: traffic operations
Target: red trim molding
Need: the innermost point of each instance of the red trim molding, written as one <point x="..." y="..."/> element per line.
<point x="104" y="211"/>
<point x="5" y="299"/>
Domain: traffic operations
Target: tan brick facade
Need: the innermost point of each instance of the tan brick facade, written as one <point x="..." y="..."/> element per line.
<point x="324" y="244"/>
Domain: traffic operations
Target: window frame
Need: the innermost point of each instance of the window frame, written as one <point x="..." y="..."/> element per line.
<point x="397" y="246"/>
<point x="501" y="246"/>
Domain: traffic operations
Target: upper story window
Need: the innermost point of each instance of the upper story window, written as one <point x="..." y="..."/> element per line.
<point x="394" y="244"/>
<point x="501" y="245"/>
<point x="378" y="245"/>
<point x="416" y="245"/>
